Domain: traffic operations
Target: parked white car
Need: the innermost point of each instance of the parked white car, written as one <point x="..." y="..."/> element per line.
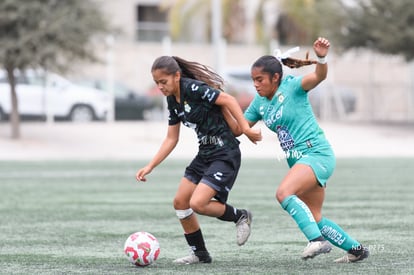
<point x="42" y="95"/>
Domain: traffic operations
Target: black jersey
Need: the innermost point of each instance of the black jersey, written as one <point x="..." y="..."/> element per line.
<point x="197" y="110"/>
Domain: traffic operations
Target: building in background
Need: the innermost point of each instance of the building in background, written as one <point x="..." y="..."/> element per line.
<point x="144" y="33"/>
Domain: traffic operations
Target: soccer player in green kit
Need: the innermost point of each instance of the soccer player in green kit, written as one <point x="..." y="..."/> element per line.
<point x="195" y="99"/>
<point x="283" y="105"/>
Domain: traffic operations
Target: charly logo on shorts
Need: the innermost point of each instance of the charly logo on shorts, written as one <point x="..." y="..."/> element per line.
<point x="218" y="176"/>
<point x="285" y="138"/>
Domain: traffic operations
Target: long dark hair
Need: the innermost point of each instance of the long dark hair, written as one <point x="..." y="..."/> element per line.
<point x="172" y="64"/>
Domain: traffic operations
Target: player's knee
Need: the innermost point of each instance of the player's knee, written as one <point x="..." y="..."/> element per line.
<point x="179" y="203"/>
<point x="197" y="207"/>
<point x="281" y="194"/>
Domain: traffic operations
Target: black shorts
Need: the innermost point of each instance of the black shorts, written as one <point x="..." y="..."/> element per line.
<point x="218" y="171"/>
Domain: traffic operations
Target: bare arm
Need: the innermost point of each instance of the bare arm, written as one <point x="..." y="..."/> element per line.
<point x="236" y="112"/>
<point x="166" y="148"/>
<point x="311" y="80"/>
<point x="251" y="123"/>
<point x="231" y="121"/>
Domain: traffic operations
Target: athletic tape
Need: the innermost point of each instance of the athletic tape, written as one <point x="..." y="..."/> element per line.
<point x="182" y="214"/>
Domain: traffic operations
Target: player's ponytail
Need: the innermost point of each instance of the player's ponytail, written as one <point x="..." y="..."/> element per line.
<point x="297" y="63"/>
<point x="200" y="72"/>
<point x="172" y="64"/>
<point x="286" y="60"/>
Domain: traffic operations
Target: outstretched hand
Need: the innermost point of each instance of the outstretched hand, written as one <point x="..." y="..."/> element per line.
<point x="321" y="46"/>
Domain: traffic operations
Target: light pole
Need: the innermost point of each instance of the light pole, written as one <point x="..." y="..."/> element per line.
<point x="218" y="43"/>
<point x="110" y="76"/>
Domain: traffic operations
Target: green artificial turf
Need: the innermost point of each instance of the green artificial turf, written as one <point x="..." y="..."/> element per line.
<point x="67" y="217"/>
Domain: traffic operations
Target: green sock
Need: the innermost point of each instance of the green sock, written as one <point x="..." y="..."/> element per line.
<point x="336" y="235"/>
<point x="300" y="212"/>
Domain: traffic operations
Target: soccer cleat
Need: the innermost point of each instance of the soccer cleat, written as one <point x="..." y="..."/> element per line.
<point x="352" y="258"/>
<point x="195" y="258"/>
<point x="315" y="248"/>
<point x="243" y="227"/>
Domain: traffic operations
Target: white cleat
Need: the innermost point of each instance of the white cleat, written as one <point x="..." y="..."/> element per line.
<point x="243" y="227"/>
<point x="203" y="257"/>
<point x="315" y="248"/>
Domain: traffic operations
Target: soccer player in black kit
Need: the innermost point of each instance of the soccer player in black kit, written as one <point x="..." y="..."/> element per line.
<point x="195" y="98"/>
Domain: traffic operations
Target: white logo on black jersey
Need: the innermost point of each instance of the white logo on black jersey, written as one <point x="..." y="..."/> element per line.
<point x="209" y="95"/>
<point x="194" y="87"/>
<point x="187" y="108"/>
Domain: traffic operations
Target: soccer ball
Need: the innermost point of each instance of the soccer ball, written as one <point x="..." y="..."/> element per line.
<point x="142" y="248"/>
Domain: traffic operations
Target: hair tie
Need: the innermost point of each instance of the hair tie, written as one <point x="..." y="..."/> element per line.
<point x="279" y="55"/>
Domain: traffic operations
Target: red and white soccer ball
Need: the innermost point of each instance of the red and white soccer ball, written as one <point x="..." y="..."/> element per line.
<point x="142" y="248"/>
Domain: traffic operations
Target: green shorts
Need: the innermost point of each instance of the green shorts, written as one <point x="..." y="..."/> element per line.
<point x="321" y="159"/>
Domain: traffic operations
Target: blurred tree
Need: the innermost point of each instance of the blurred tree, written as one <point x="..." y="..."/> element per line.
<point x="182" y="12"/>
<point x="385" y="26"/>
<point x="301" y="21"/>
<point x="259" y="23"/>
<point x="48" y="34"/>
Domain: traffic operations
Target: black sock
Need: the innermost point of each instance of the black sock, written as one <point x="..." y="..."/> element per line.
<point x="356" y="251"/>
<point x="196" y="241"/>
<point x="231" y="214"/>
